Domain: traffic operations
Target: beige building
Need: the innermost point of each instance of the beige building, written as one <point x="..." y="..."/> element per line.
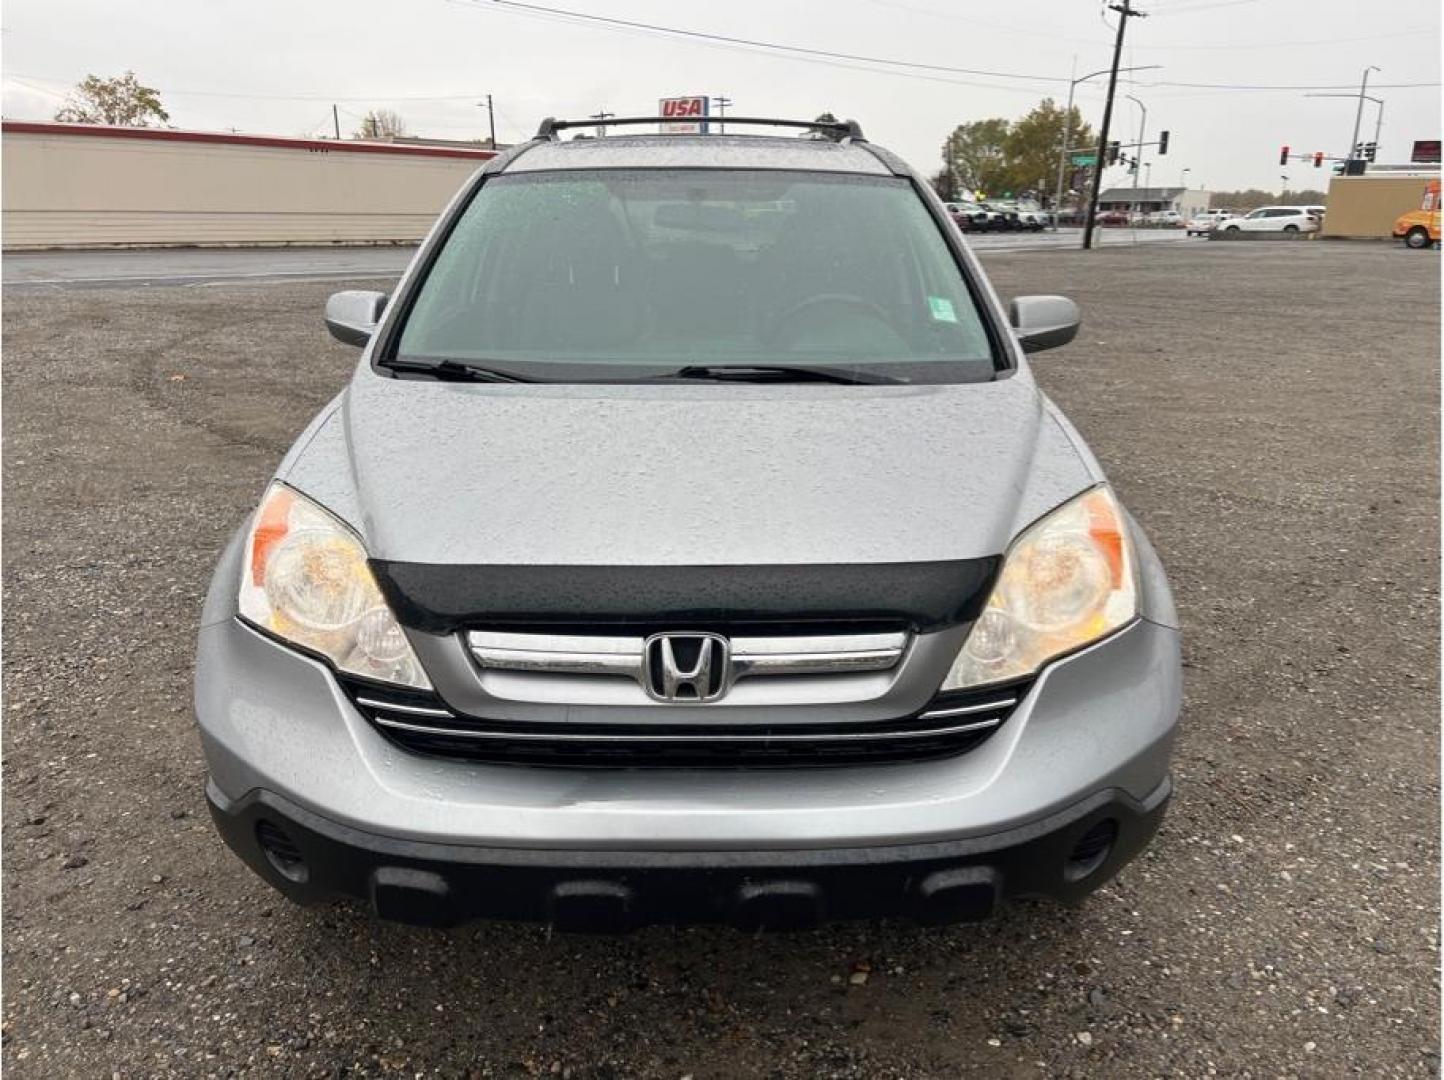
<point x="1366" y="206"/>
<point x="81" y="185"/>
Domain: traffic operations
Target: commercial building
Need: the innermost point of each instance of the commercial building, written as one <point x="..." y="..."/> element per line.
<point x="87" y="186"/>
<point x="1361" y="207"/>
<point x="1147" y="200"/>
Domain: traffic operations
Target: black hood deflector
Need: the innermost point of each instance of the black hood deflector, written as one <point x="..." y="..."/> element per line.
<point x="923" y="596"/>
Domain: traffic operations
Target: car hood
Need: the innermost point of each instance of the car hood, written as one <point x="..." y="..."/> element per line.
<point x="710" y="474"/>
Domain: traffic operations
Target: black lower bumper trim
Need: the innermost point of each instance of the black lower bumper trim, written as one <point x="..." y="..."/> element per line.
<point x="311" y="859"/>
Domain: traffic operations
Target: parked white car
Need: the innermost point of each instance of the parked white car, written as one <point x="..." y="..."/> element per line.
<point x="1202" y="223"/>
<point x="1300" y="219"/>
<point x="1166" y="218"/>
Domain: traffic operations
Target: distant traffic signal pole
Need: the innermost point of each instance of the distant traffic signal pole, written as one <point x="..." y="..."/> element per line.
<point x="1065" y="148"/>
<point x="1125" y="12"/>
<point x="1359" y="112"/>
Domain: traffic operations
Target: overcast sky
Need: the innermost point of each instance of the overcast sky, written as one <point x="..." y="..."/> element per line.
<point x="275" y="66"/>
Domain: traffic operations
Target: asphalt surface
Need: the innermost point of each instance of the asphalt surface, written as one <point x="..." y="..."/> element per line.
<point x="201" y="266"/>
<point x="1269" y="412"/>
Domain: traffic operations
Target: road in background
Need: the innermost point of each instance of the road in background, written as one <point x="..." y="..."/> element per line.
<point x="186" y="266"/>
<point x="197" y="266"/>
<point x="1267" y="413"/>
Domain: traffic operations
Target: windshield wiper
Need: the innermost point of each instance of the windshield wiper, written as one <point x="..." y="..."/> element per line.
<point x="762" y="373"/>
<point x="455" y="371"/>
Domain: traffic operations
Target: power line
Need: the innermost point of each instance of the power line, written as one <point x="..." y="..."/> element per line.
<point x="655" y="28"/>
<point x="825" y="55"/>
<point x="1032" y="32"/>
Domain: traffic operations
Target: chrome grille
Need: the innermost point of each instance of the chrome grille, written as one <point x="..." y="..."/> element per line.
<point x="625" y="656"/>
<point x="952" y="724"/>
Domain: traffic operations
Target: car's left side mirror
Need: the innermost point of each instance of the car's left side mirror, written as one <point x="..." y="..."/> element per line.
<point x="352" y="316"/>
<point x="1044" y="322"/>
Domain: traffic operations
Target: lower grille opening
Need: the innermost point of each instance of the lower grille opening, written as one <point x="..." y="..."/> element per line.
<point x="282" y="853"/>
<point x="1092" y="850"/>
<point x="422" y="723"/>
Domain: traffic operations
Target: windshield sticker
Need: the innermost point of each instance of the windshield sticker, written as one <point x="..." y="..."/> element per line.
<point x="942" y="309"/>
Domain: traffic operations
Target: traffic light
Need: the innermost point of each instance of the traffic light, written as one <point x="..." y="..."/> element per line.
<point x="1370" y="149"/>
<point x="1318" y="158"/>
<point x="1162" y="143"/>
<point x="1284" y="156"/>
<point x="1113" y="148"/>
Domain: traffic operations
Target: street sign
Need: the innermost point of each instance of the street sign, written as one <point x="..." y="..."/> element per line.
<point x="684" y="115"/>
<point x="1083" y="160"/>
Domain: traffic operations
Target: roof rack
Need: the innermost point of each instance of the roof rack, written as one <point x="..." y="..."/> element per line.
<point x="836" y="129"/>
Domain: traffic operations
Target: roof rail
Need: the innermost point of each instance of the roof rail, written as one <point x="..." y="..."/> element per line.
<point x="836" y="129"/>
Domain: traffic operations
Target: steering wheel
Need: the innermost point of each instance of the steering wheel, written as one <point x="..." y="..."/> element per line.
<point x="779" y="322"/>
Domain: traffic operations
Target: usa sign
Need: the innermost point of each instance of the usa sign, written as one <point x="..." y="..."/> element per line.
<point x="683" y="115"/>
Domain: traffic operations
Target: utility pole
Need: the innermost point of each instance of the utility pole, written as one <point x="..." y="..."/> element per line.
<point x="336" y="121"/>
<point x="599" y="116"/>
<point x="1066" y="148"/>
<point x="721" y="103"/>
<point x="491" y="120"/>
<point x="1125" y="12"/>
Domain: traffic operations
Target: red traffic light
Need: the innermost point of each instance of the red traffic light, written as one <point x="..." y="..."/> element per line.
<point x="1284" y="156"/>
<point x="1318" y="158"/>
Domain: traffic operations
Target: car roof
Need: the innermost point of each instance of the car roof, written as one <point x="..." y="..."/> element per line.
<point x="706" y="152"/>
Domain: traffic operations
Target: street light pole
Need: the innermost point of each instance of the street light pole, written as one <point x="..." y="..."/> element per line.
<point x="1125" y="12"/>
<point x="1359" y="112"/>
<point x="1068" y="132"/>
<point x="1138" y="153"/>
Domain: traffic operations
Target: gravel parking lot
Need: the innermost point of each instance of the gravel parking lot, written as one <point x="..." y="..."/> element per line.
<point x="1269" y="413"/>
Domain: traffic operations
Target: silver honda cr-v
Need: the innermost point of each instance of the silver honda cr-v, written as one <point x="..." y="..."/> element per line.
<point x="691" y="544"/>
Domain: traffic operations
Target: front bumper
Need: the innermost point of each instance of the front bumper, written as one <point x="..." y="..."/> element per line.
<point x="438" y="839"/>
<point x="1063" y="856"/>
<point x="274" y="720"/>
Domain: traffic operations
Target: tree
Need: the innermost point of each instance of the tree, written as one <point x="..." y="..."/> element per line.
<point x="380" y="124"/>
<point x="121" y="101"/>
<point x="817" y="132"/>
<point x="942" y="182"/>
<point x="1033" y="143"/>
<point x="974" y="155"/>
<point x="996" y="156"/>
<point x="1253" y="198"/>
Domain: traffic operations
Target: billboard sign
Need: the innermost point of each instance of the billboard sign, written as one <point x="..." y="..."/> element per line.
<point x="683" y="115"/>
<point x="1426" y="152"/>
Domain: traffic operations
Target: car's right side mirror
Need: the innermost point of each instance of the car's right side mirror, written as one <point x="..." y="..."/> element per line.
<point x="352" y="316"/>
<point x="1044" y="322"/>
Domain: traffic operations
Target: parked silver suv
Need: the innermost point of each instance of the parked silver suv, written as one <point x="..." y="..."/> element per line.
<point x="691" y="543"/>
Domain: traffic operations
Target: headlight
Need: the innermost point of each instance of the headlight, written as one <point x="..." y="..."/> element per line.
<point x="1068" y="580"/>
<point x="305" y="579"/>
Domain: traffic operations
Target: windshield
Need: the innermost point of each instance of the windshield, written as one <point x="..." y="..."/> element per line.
<point x="625" y="274"/>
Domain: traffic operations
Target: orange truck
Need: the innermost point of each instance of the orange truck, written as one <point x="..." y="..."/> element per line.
<point x="1420" y="228"/>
